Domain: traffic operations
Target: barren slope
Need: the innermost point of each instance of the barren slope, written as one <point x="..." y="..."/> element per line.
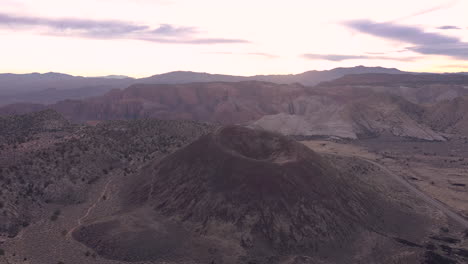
<point x="371" y="115"/>
<point x="241" y="195"/>
<point x="449" y="116"/>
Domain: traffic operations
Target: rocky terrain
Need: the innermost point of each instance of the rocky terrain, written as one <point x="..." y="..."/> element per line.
<point x="240" y="195"/>
<point x="356" y="106"/>
<point x="449" y="116"/>
<point x="215" y="102"/>
<point x="417" y="88"/>
<point x="345" y="112"/>
<point x="369" y="115"/>
<point x="149" y="191"/>
<point x="46" y="162"/>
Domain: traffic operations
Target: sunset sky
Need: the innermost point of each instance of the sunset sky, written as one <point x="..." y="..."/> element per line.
<point x="244" y="37"/>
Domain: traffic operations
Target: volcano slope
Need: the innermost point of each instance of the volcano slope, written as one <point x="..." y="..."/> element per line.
<point x="248" y="196"/>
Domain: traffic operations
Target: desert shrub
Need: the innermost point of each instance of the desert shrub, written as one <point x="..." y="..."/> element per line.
<point x="55" y="216"/>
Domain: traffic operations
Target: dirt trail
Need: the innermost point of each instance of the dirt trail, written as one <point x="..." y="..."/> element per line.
<point x="434" y="202"/>
<point x="91" y="207"/>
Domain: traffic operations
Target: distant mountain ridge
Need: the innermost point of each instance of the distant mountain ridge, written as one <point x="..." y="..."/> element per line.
<point x="49" y="87"/>
<point x="398" y="79"/>
<point x="308" y="78"/>
<point x="17" y="83"/>
<point x="311" y="78"/>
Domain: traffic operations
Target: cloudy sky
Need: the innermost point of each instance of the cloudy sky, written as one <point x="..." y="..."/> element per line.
<point x="245" y="37"/>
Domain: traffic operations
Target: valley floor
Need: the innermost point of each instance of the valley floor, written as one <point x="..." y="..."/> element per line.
<point x="438" y="169"/>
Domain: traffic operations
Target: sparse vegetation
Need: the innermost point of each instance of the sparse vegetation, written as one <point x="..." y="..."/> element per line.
<point x="63" y="154"/>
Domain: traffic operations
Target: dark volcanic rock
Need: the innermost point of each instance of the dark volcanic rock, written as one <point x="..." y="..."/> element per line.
<point x="243" y="194"/>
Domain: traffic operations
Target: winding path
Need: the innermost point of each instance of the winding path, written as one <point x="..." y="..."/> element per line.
<point x="90" y="208"/>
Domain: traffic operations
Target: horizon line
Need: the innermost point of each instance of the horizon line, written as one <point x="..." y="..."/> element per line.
<point x="124" y="76"/>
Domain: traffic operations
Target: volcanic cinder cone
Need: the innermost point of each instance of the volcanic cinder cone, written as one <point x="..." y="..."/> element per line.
<point x="240" y="194"/>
